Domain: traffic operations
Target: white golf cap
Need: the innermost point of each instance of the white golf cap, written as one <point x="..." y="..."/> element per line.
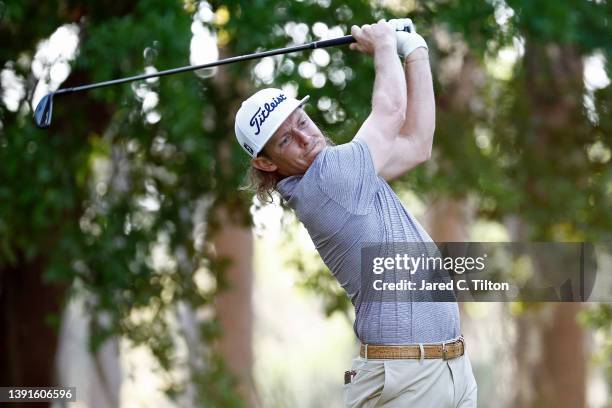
<point x="261" y="115"/>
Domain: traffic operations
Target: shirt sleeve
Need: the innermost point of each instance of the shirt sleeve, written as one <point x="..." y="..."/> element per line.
<point x="346" y="174"/>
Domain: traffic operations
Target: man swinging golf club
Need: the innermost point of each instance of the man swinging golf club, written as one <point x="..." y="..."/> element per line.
<point x="412" y="353"/>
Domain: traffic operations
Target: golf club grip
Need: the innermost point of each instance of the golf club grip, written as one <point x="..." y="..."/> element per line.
<point x="347" y="39"/>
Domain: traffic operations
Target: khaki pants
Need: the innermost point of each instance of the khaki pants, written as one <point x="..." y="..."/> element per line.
<point x="412" y="383"/>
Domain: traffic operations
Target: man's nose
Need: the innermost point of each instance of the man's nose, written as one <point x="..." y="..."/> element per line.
<point x="303" y="138"/>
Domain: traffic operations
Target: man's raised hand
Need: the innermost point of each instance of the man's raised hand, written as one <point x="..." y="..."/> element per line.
<point x="371" y="38"/>
<point x="406" y="41"/>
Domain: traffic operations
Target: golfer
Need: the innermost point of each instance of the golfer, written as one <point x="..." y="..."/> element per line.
<point x="412" y="353"/>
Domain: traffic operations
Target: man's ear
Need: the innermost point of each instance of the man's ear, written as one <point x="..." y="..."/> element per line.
<point x="264" y="164"/>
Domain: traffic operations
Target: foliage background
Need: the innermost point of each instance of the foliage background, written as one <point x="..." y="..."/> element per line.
<point x="129" y="172"/>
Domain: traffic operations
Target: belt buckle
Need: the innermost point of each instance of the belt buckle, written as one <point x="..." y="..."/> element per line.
<point x="445" y="350"/>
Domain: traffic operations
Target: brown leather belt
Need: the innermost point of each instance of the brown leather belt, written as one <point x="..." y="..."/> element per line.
<point x="444" y="351"/>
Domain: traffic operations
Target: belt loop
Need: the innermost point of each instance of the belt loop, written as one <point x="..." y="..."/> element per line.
<point x="421" y="353"/>
<point x="444" y="351"/>
<point x="366" y="351"/>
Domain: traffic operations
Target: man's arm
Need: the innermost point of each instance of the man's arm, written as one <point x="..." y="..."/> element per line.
<point x="380" y="129"/>
<point x="413" y="145"/>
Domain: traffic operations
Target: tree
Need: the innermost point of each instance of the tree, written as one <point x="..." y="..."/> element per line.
<point x="129" y="173"/>
<point x="116" y="192"/>
<point x="67" y="223"/>
<point x="542" y="136"/>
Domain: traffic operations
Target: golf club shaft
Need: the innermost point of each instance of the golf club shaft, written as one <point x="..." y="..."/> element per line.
<point x="44" y="108"/>
<point x="347" y="39"/>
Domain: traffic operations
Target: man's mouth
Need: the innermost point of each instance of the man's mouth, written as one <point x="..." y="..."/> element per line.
<point x="312" y="148"/>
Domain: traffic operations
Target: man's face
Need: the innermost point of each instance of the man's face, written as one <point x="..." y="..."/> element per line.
<point x="293" y="147"/>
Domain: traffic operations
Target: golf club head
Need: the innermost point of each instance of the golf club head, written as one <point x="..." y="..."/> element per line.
<point x="43" y="111"/>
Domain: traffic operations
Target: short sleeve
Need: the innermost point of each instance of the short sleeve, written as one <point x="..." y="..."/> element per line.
<point x="346" y="174"/>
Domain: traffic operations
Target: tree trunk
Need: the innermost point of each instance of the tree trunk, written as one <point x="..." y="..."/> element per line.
<point x="28" y="341"/>
<point x="551" y="360"/>
<point x="448" y="219"/>
<point x="96" y="376"/>
<point x="550" y="351"/>
<point x="234" y="242"/>
<point x="230" y="230"/>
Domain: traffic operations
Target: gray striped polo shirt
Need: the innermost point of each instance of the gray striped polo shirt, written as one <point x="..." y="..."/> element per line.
<point x="345" y="205"/>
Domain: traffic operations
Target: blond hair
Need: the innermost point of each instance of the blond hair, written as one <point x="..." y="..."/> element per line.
<point x="263" y="183"/>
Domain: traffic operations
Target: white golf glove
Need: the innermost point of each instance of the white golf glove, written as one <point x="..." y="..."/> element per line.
<point x="406" y="41"/>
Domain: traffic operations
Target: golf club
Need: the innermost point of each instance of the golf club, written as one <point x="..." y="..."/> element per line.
<point x="44" y="109"/>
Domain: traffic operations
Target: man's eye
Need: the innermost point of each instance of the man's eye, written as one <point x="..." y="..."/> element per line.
<point x="284" y="141"/>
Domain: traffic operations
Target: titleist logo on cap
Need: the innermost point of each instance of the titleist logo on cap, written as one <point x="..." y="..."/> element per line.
<point x="258" y="119"/>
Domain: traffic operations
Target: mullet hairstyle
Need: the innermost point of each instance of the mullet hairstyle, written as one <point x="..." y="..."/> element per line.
<point x="260" y="182"/>
<point x="263" y="183"/>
